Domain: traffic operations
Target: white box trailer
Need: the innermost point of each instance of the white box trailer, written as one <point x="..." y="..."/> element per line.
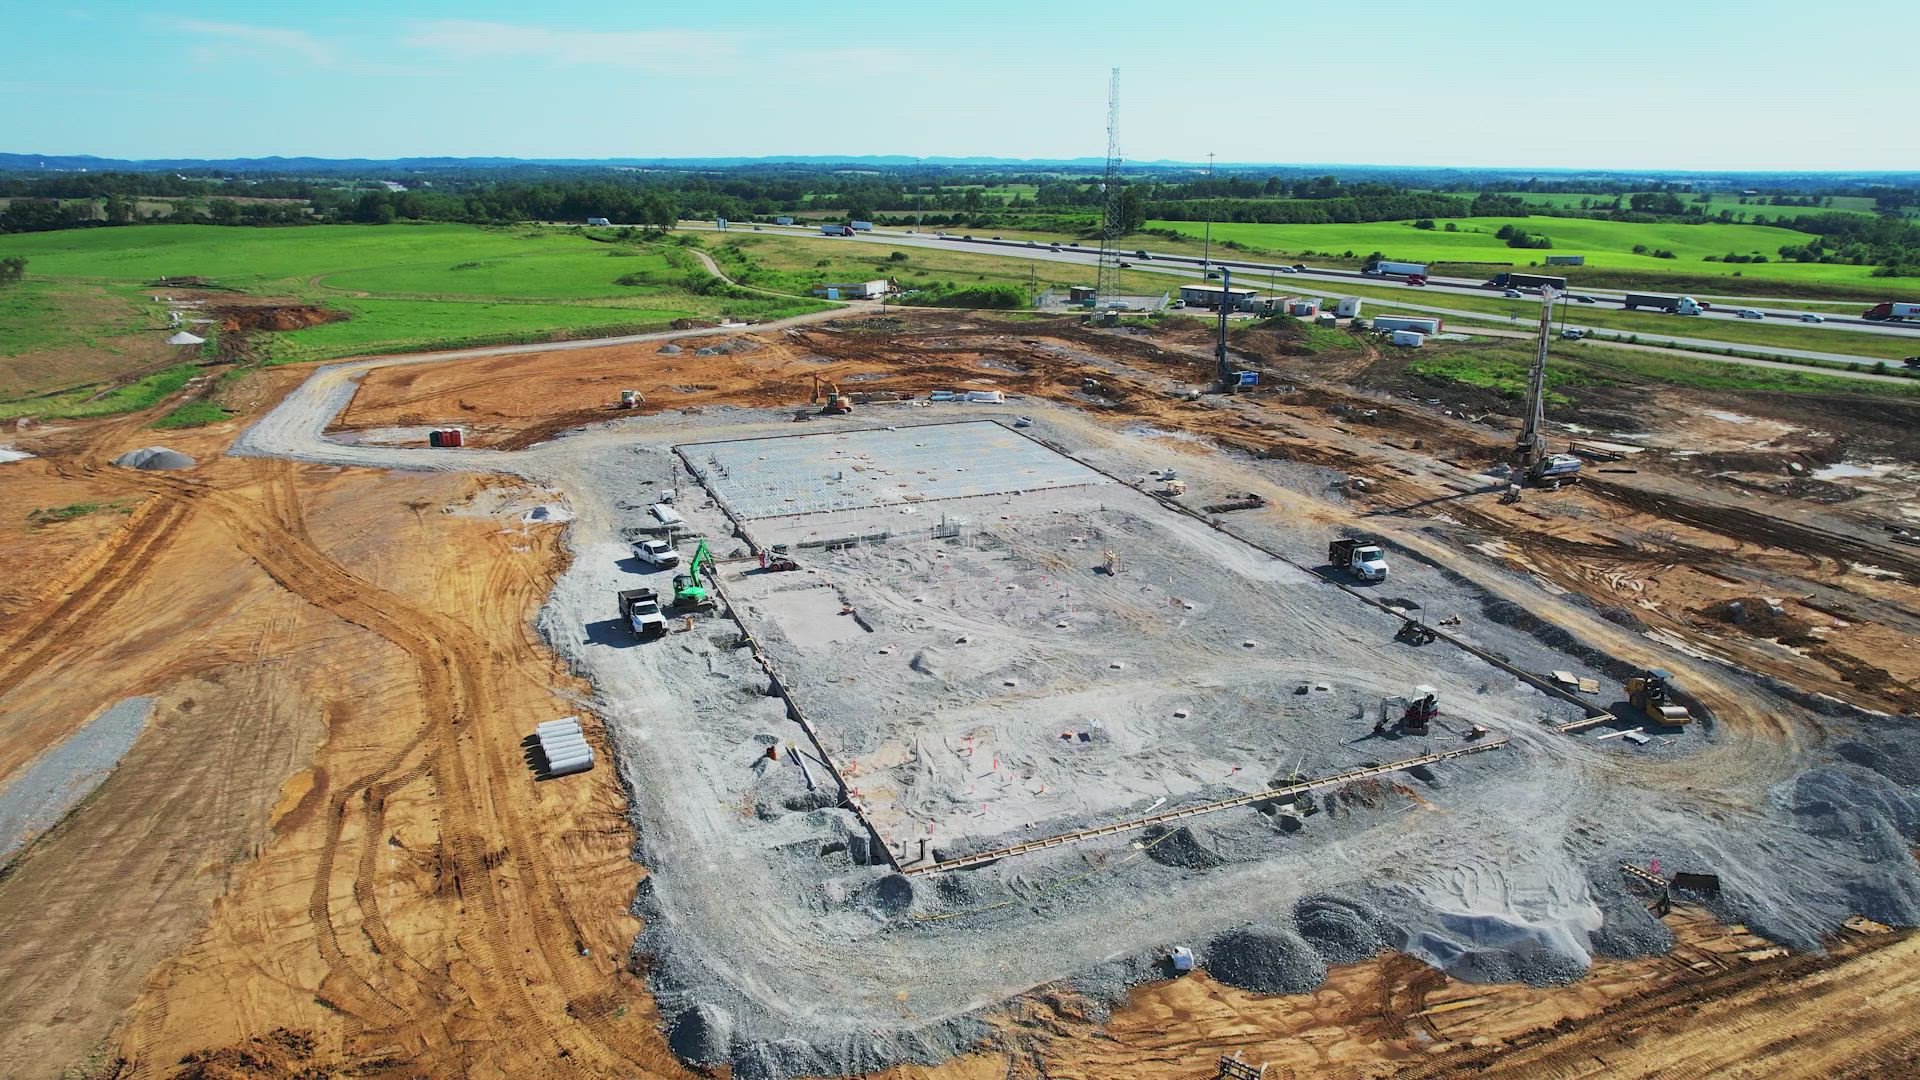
<point x="1349" y="308"/>
<point x="1412" y="338"/>
<point x="1425" y="324"/>
<point x="861" y="226"/>
<point x="1406" y="268"/>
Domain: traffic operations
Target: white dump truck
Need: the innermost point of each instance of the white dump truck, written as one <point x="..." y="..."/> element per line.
<point x="1362" y="557"/>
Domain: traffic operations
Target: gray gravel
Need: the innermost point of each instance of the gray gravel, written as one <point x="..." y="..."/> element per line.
<point x="37" y="796"/>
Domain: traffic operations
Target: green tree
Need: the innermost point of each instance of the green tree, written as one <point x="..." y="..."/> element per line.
<point x="1131" y="211"/>
<point x="12" y="269"/>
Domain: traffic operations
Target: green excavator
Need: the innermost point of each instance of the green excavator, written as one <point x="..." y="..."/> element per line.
<point x="688" y="594"/>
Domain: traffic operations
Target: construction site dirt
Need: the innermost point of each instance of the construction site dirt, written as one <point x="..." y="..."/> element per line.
<point x="980" y="665"/>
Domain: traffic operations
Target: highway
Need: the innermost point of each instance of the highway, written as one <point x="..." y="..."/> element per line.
<point x="1276" y="271"/>
<point x="1418" y="298"/>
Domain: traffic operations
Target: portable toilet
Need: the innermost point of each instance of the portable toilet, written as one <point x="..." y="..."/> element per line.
<point x="1410" y="338"/>
<point x="1181" y="958"/>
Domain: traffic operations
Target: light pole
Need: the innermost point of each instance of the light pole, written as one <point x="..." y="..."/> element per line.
<point x="1206" y="249"/>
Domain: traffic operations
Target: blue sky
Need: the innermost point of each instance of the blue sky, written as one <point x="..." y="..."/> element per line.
<point x="1630" y="84"/>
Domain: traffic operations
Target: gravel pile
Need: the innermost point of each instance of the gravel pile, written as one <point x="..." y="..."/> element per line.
<point x="703" y="1035"/>
<point x="1342" y="929"/>
<point x="154" y="459"/>
<point x="1187" y="847"/>
<point x="1265" y="959"/>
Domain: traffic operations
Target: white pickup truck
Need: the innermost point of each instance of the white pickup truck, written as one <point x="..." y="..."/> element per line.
<point x="656" y="553"/>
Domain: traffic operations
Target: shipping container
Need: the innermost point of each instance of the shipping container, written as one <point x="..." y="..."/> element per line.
<point x="1349" y="308"/>
<point x="1425" y="324"/>
<point x="1413" y="338"/>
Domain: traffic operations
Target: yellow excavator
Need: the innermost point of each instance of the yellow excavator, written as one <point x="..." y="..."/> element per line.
<point x="1651" y="693"/>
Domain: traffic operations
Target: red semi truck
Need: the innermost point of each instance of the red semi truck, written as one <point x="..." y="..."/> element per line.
<point x="1891" y="312"/>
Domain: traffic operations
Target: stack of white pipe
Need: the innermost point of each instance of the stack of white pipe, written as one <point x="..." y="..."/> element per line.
<point x="564" y="747"/>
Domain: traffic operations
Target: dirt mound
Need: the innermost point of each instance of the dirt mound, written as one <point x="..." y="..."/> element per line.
<point x="275" y="317"/>
<point x="154" y="459"/>
<point x="1761" y="618"/>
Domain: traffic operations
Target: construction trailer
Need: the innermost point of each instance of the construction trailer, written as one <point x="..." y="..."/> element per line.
<point x="1209" y="296"/>
<point x="1425" y="324"/>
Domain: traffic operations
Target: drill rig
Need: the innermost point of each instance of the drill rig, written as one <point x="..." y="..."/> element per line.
<point x="1532" y="461"/>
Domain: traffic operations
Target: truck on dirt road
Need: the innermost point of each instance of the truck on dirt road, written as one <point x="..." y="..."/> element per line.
<point x="640" y="610"/>
<point x="656" y="553"/>
<point x="1672" y="305"/>
<point x="1361" y="557"/>
<point x="1891" y="312"/>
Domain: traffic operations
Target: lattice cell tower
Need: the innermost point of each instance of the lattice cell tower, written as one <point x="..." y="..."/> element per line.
<point x="1106" y="286"/>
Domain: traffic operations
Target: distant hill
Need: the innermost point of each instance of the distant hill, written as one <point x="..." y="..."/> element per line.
<point x="1405" y="175"/>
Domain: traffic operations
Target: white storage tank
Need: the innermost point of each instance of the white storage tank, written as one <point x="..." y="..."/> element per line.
<point x="562" y="725"/>
<point x="1410" y="338"/>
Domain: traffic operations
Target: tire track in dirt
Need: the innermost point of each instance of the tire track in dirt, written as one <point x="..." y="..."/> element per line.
<point x="87" y="596"/>
<point x="453" y="663"/>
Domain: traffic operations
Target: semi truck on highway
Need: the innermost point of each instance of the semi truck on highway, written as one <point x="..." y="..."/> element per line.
<point x="1672" y="305"/>
<point x="1406" y="269"/>
<point x="1891" y="312"/>
<point x="1504" y="280"/>
<point x="836" y="230"/>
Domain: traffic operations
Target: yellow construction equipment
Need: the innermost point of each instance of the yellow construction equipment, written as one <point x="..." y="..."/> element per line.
<point x="1651" y="693"/>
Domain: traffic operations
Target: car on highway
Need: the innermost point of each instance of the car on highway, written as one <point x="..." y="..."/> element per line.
<point x="1055" y="247"/>
<point x="1126" y="266"/>
<point x="1511" y="294"/>
<point x="1809" y="316"/>
<point x="1417" y="282"/>
<point x="1299" y="266"/>
<point x="1582" y="298"/>
<point x="1749" y="313"/>
<point x="969" y="236"/>
<point x="1288" y="270"/>
<point x="996" y="238"/>
<point x="1574" y="333"/>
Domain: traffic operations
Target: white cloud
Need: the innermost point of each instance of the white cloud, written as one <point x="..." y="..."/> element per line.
<point x="586" y="45"/>
<point x="297" y="42"/>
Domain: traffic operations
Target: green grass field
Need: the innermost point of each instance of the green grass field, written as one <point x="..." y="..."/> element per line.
<point x="794" y="265"/>
<point x="1716" y="202"/>
<point x="82" y="315"/>
<point x="1607" y="245"/>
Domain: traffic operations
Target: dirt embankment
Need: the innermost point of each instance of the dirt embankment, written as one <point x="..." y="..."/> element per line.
<point x="277" y="317"/>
